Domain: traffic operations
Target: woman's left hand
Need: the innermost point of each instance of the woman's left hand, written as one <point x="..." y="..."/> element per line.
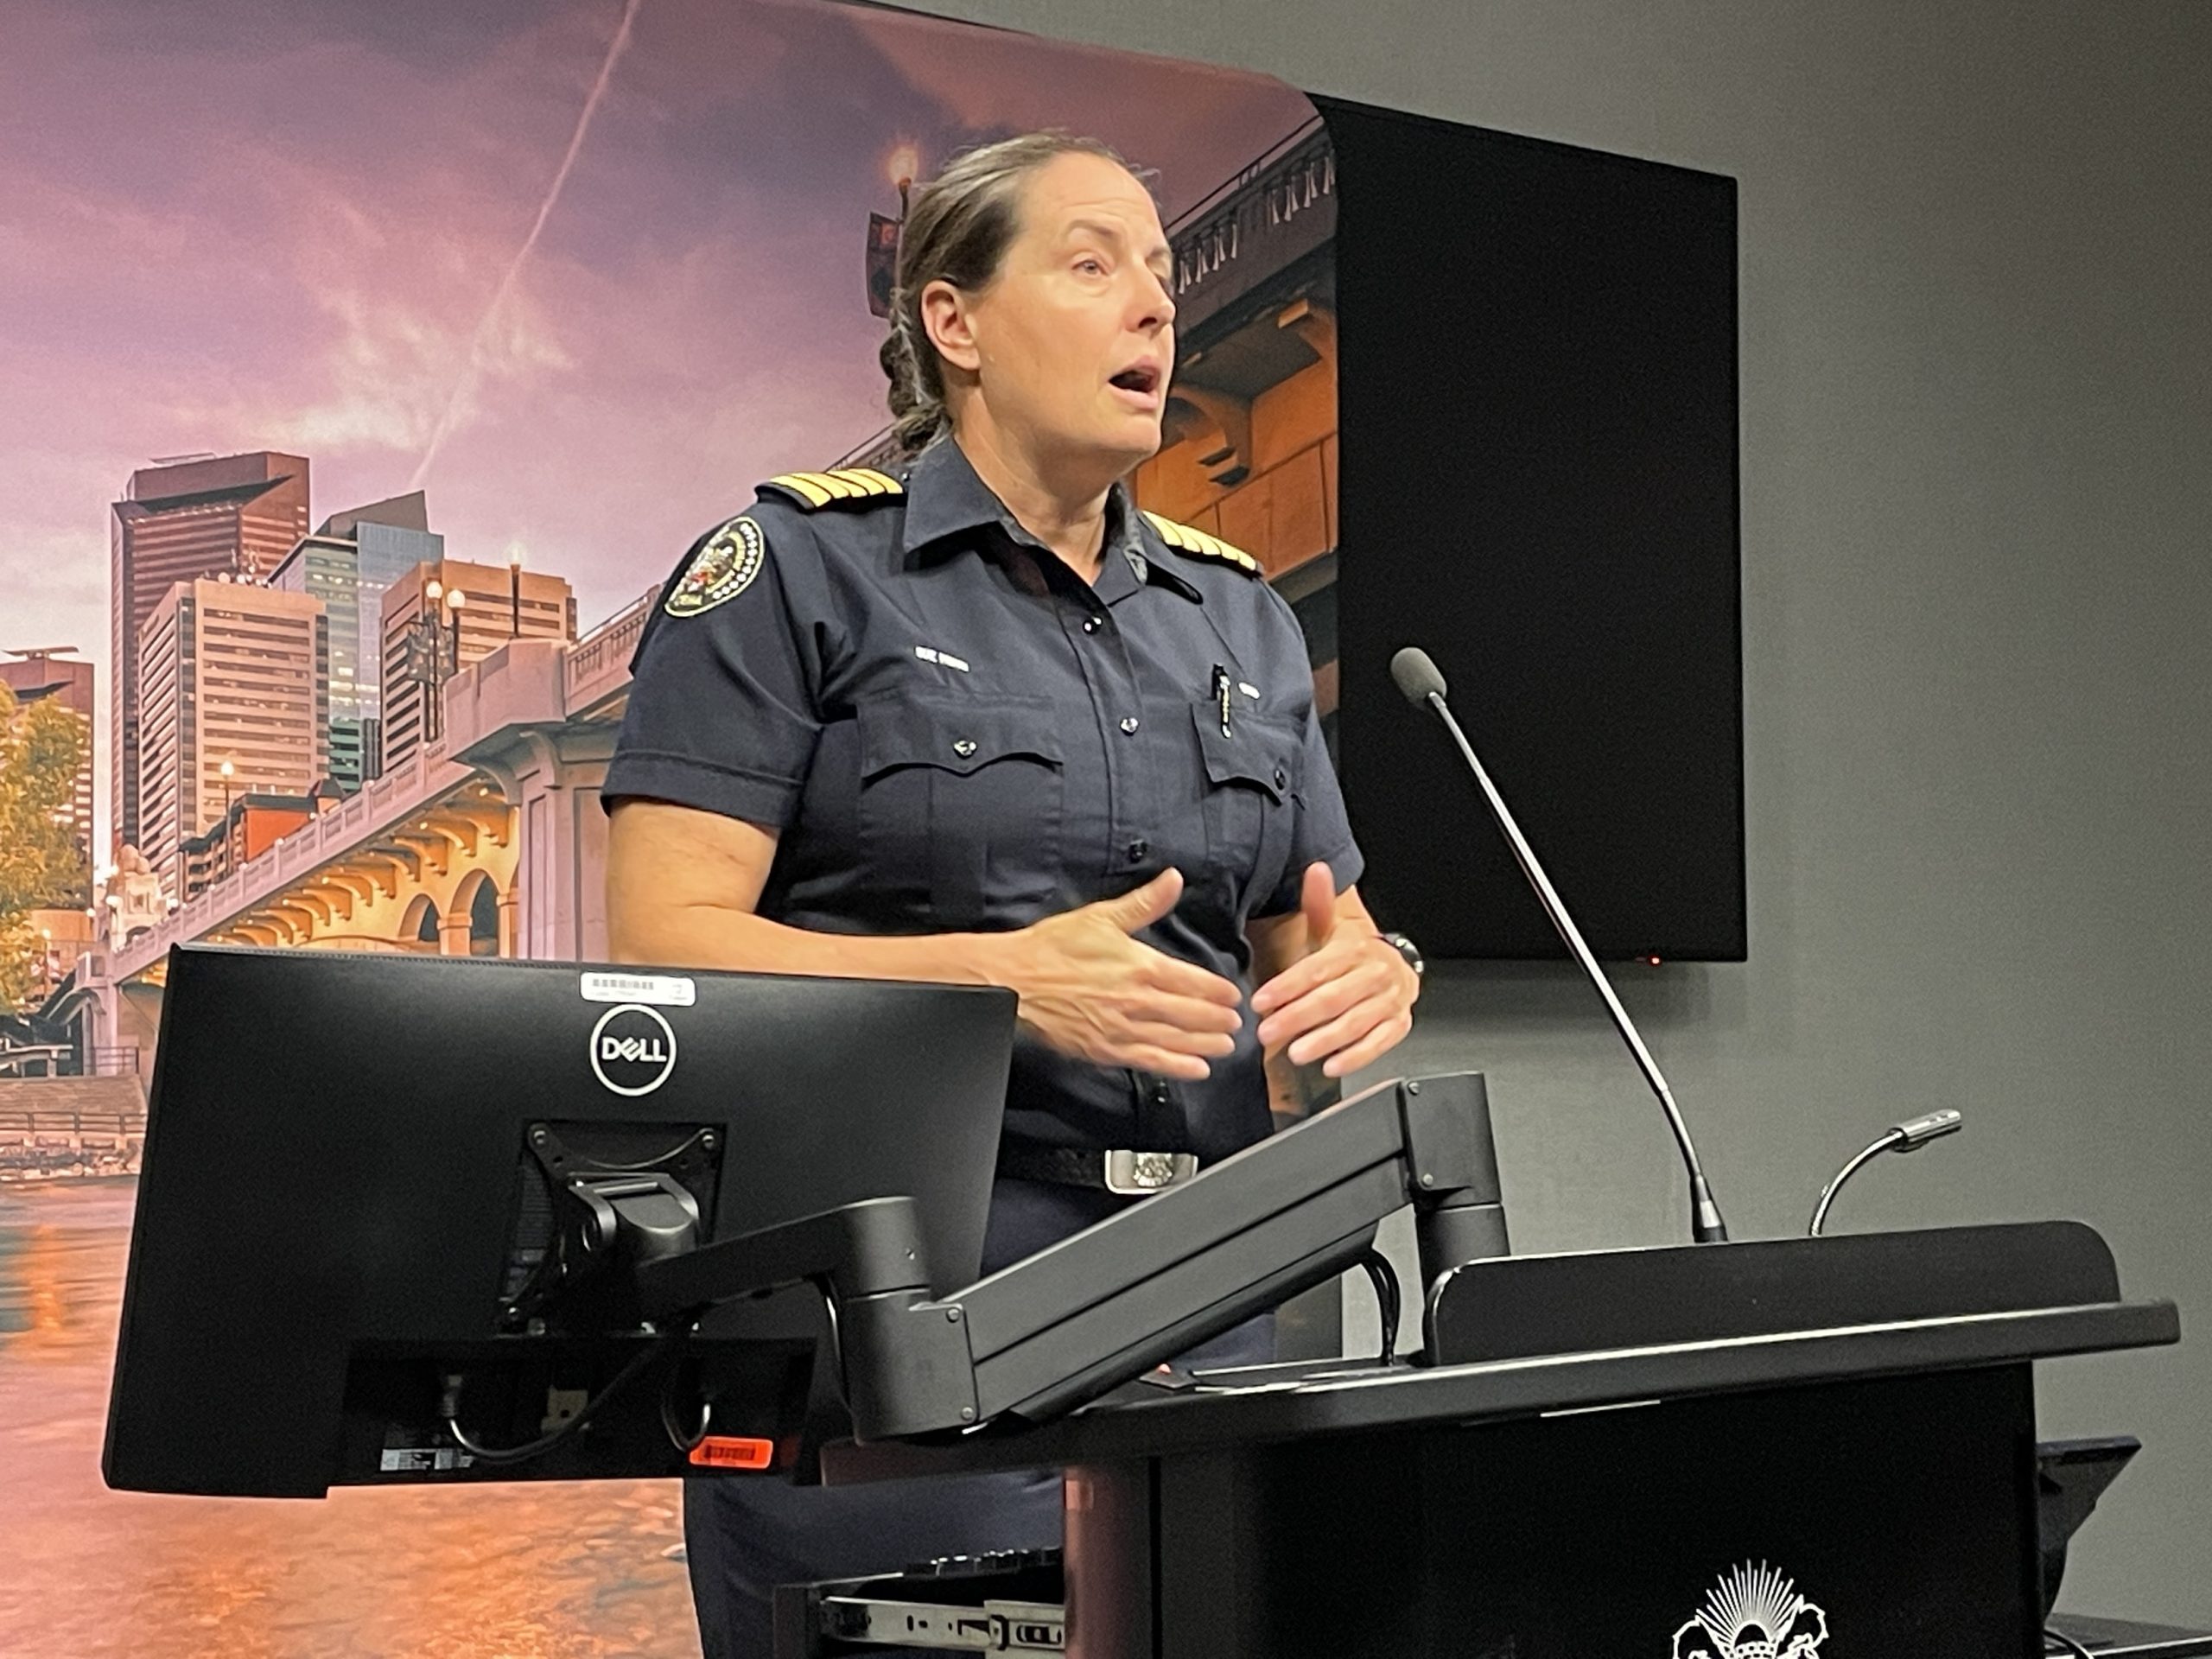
<point x="1349" y="1001"/>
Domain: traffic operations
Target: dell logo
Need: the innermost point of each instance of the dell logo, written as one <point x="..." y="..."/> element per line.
<point x="632" y="1049"/>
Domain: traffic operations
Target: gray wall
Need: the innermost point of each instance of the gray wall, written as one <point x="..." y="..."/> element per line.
<point x="1977" y="436"/>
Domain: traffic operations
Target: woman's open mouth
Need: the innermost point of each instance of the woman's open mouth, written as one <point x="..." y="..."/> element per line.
<point x="1140" y="381"/>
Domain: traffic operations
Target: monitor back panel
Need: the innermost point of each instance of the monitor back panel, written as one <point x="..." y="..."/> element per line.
<point x="334" y="1141"/>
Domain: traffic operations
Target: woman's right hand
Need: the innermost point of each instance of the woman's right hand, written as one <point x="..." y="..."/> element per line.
<point x="1091" y="990"/>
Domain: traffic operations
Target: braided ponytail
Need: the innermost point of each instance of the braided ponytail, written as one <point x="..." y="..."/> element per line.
<point x="918" y="411"/>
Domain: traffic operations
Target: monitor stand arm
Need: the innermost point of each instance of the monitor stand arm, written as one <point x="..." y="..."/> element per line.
<point x="1090" y="1313"/>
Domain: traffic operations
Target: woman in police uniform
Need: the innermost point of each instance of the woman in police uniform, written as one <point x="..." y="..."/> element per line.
<point x="979" y="720"/>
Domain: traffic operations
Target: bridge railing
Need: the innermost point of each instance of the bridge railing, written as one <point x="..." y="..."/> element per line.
<point x="1271" y="213"/>
<point x="599" y="661"/>
<point x="388" y="801"/>
<point x="36" y="1059"/>
<point x="19" y="1127"/>
<point x="38" y="1144"/>
<point x="113" y="1060"/>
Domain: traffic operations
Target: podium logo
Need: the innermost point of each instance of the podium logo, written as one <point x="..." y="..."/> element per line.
<point x="1753" y="1613"/>
<point x="632" y="1049"/>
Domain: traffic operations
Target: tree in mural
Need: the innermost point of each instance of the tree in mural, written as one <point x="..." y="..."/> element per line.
<point x="41" y="863"/>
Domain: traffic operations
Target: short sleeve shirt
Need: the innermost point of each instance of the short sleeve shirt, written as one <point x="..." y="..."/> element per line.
<point x="951" y="731"/>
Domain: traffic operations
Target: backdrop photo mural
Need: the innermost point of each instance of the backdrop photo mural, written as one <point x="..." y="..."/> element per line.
<point x="310" y="307"/>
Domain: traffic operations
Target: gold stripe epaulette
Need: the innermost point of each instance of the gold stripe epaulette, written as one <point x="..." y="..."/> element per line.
<point x="1185" y="539"/>
<point x="813" y="490"/>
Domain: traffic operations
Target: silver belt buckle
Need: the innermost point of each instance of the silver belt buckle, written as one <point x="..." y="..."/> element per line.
<point x="1133" y="1174"/>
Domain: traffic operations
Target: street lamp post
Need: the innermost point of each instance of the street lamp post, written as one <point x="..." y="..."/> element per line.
<point x="454" y="599"/>
<point x="902" y="164"/>
<point x="514" y="591"/>
<point x="426" y="654"/>
<point x="228" y="772"/>
<point x="884" y="235"/>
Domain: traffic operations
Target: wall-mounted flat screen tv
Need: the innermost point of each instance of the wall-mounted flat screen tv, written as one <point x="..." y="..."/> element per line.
<point x="1537" y="415"/>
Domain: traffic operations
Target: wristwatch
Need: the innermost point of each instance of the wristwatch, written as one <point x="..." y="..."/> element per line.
<point x="1405" y="948"/>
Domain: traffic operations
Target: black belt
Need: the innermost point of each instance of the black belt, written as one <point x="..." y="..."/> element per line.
<point x="1115" y="1170"/>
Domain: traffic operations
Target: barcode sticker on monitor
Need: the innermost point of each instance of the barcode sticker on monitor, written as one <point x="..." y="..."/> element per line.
<point x="422" y="1459"/>
<point x="669" y="991"/>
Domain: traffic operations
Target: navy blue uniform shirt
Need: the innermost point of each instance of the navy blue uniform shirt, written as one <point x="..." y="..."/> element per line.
<point x="952" y="732"/>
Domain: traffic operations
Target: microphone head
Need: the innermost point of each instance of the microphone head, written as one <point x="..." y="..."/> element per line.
<point x="1417" y="675"/>
<point x="1919" y="1131"/>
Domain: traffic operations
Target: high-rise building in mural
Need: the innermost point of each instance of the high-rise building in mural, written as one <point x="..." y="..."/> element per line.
<point x="347" y="564"/>
<point x="179" y="520"/>
<point x="251" y="825"/>
<point x="52" y="674"/>
<point x="426" y="637"/>
<point x="234" y="682"/>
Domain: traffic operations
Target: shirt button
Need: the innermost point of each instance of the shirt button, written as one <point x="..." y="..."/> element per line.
<point x="1280" y="778"/>
<point x="1138" y="850"/>
<point x="1129" y="725"/>
<point x="1092" y="624"/>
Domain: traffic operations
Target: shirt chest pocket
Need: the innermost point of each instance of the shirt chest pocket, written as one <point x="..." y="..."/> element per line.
<point x="1248" y="805"/>
<point x="961" y="807"/>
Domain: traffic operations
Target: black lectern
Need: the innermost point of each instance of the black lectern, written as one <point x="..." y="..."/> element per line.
<point x="1773" y="1450"/>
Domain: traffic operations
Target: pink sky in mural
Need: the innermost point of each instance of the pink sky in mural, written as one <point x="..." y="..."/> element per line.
<point x="232" y="225"/>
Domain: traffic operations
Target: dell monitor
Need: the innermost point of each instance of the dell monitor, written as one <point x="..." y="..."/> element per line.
<point x="391" y="1207"/>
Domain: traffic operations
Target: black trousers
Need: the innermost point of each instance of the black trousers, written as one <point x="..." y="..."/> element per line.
<point x="744" y="1537"/>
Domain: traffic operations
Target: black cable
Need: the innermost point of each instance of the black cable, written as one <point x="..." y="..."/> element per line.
<point x="682" y="1440"/>
<point x="2067" y="1643"/>
<point x="1384" y="1278"/>
<point x="449" y="1407"/>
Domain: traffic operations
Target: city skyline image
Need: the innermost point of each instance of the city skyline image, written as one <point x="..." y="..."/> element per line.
<point x="581" y="274"/>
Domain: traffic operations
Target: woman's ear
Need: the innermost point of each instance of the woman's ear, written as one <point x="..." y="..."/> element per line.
<point x="945" y="319"/>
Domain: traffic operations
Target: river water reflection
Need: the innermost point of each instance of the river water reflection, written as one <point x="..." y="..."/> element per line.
<point x="521" y="1571"/>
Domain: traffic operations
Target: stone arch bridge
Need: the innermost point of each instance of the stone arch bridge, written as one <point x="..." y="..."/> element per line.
<point x="489" y="841"/>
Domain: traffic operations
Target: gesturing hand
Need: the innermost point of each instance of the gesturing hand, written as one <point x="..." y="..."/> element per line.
<point x="1090" y="991"/>
<point x="1349" y="1001"/>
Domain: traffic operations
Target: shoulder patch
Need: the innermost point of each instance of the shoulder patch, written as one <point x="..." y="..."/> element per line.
<point x="846" y="487"/>
<point x="1184" y="539"/>
<point x="723" y="568"/>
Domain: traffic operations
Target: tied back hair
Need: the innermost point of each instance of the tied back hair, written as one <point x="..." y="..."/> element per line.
<point x="957" y="230"/>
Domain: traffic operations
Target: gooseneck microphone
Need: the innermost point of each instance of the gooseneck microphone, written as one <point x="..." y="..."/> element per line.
<point x="1908" y="1136"/>
<point x="1418" y="678"/>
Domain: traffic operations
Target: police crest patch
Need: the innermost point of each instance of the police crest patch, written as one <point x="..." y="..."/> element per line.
<point x="720" y="570"/>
